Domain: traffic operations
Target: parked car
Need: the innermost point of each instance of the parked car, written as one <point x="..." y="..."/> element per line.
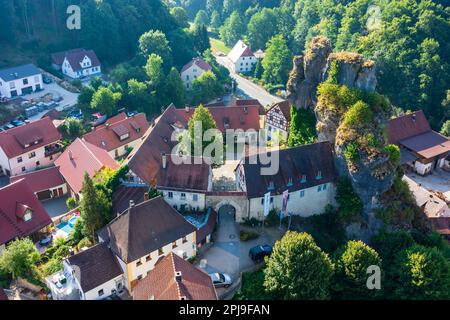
<point x="46" y="79"/>
<point x="17" y="123"/>
<point x="221" y="279"/>
<point x="8" y="126"/>
<point x="75" y="114"/>
<point x="258" y="252"/>
<point x="131" y="113"/>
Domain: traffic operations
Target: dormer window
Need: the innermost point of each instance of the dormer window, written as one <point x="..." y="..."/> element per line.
<point x="124" y="136"/>
<point x="28" y="215"/>
<point x="303" y="180"/>
<point x="290" y="183"/>
<point x="319" y="175"/>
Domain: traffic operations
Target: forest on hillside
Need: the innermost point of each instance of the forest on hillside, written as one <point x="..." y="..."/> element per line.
<point x="409" y="39"/>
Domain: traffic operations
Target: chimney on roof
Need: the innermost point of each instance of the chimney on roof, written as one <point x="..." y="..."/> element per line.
<point x="70" y="155"/>
<point x="164" y="160"/>
<point x="131" y="203"/>
<point x="178" y="276"/>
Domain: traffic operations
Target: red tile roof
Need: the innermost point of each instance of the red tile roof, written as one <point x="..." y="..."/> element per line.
<point x="15" y="199"/>
<point x="108" y="136"/>
<point x="81" y="157"/>
<point x="199" y="62"/>
<point x="145" y="159"/>
<point x="414" y="132"/>
<point x="407" y="126"/>
<point x="14" y="141"/>
<point x="41" y="179"/>
<point x="75" y="57"/>
<point x="162" y="284"/>
<point x="236" y="117"/>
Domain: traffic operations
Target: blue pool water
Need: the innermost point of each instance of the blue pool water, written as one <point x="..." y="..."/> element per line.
<point x="65" y="226"/>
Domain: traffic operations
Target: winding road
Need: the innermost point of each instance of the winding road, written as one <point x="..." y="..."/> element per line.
<point x="247" y="87"/>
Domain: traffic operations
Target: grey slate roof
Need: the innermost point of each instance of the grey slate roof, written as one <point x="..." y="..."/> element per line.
<point x="95" y="266"/>
<point x="144" y="228"/>
<point x="14" y="73"/>
<point x="308" y="160"/>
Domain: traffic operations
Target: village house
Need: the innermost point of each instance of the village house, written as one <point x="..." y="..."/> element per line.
<point x="236" y="118"/>
<point x="92" y="274"/>
<point x="173" y="278"/>
<point x="307" y="172"/>
<point x="144" y="233"/>
<point x="242" y="58"/>
<point x="192" y="70"/>
<point x="77" y="63"/>
<point x="29" y="147"/>
<point x="20" y="80"/>
<point x="421" y="148"/>
<point x="435" y="209"/>
<point x="79" y="158"/>
<point x="145" y="160"/>
<point x="277" y="121"/>
<point x="21" y="213"/>
<point x="119" y="134"/>
<point x="184" y="185"/>
<point x="45" y="183"/>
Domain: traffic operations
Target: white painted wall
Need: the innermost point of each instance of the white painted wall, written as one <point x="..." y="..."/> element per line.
<point x="4" y="162"/>
<point x="423" y="168"/>
<point x="123" y="149"/>
<point x="244" y="64"/>
<point x="189" y="75"/>
<point x="189" y="247"/>
<point x="86" y="70"/>
<point x="30" y="164"/>
<point x="34" y="81"/>
<point x="177" y="199"/>
<point x="311" y="203"/>
<point x="107" y="288"/>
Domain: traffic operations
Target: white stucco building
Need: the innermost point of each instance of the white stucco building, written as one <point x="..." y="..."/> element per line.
<point x="242" y="58"/>
<point x="29" y="147"/>
<point x="306" y="172"/>
<point x="192" y="70"/>
<point x="77" y="63"/>
<point x="20" y="80"/>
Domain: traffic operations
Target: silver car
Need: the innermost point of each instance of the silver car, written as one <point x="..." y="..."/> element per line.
<point x="221" y="279"/>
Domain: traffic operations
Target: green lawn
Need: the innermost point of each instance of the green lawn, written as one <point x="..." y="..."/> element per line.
<point x="217" y="45"/>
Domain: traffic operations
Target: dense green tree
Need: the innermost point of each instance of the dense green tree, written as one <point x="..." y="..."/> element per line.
<point x="105" y="101"/>
<point x="139" y="97"/>
<point x="201" y="38"/>
<point x="206" y="87"/>
<point x="351" y="264"/>
<point x="85" y="97"/>
<point x="180" y="16"/>
<point x="230" y="6"/>
<point x="214" y="6"/>
<point x="155" y="42"/>
<point x="232" y="30"/>
<point x="302" y="128"/>
<point x="201" y="117"/>
<point x="298" y="269"/>
<point x="19" y="257"/>
<point x="73" y="128"/>
<point x="423" y="274"/>
<point x="216" y="21"/>
<point x="261" y="28"/>
<point x="445" y="130"/>
<point x="95" y="208"/>
<point x="154" y="70"/>
<point x="277" y="61"/>
<point x="201" y="18"/>
<point x="349" y="204"/>
<point x="175" y="88"/>
<point x="259" y="69"/>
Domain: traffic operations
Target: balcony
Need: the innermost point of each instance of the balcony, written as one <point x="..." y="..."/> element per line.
<point x="53" y="149"/>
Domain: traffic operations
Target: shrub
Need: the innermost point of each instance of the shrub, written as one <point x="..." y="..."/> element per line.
<point x="358" y="114"/>
<point x="247" y="235"/>
<point x="252" y="287"/>
<point x="272" y="219"/>
<point x="350" y="205"/>
<point x="85" y="242"/>
<point x="71" y="203"/>
<point x="352" y="152"/>
<point x="394" y="153"/>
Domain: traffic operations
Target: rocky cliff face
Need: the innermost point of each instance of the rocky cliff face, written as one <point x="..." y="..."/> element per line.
<point x="313" y="68"/>
<point x="352" y="120"/>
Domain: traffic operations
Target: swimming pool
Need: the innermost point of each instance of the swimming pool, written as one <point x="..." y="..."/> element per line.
<point x="67" y="226"/>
